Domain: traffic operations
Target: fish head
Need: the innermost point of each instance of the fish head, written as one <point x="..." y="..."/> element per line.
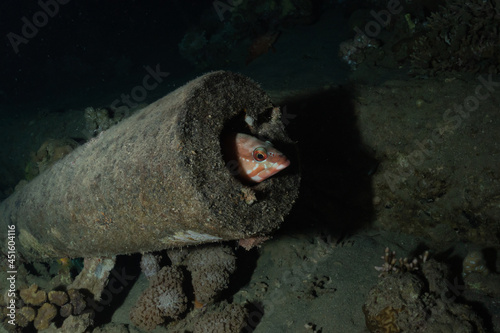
<point x="257" y="159"/>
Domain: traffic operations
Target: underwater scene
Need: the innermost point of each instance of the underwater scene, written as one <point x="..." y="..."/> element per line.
<point x="235" y="166"/>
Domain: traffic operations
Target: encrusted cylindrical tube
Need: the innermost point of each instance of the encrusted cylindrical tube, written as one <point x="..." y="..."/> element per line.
<point x="158" y="179"/>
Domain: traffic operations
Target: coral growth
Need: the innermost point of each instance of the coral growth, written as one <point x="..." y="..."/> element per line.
<point x="51" y="151"/>
<point x="461" y="36"/>
<point x="150" y="264"/>
<point x="394" y="265"/>
<point x="100" y="119"/>
<point x="44" y="316"/>
<point x="39" y="309"/>
<point x="177" y="255"/>
<point x="77" y="301"/>
<point x="58" y="297"/>
<point x="97" y="120"/>
<point x="33" y="296"/>
<point x="474" y="262"/>
<point x="478" y="277"/>
<point x="222" y="318"/>
<point x="354" y="51"/>
<point x="164" y="298"/>
<point x="25" y="315"/>
<point x="384" y="321"/>
<point x="210" y="267"/>
<point x="418" y="301"/>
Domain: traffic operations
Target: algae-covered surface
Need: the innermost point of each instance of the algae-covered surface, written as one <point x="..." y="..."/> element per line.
<point x="395" y="154"/>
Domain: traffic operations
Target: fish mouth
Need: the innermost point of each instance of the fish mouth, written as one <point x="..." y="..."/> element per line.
<point x="282" y="163"/>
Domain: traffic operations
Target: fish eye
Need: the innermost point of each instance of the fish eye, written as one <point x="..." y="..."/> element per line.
<point x="260" y="154"/>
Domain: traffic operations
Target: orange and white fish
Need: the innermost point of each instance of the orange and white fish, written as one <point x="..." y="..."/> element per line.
<point x="257" y="160"/>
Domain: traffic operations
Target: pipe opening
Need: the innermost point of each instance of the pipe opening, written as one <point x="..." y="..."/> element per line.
<point x="250" y="158"/>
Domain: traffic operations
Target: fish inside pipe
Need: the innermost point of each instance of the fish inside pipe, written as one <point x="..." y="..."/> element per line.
<point x="253" y="160"/>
